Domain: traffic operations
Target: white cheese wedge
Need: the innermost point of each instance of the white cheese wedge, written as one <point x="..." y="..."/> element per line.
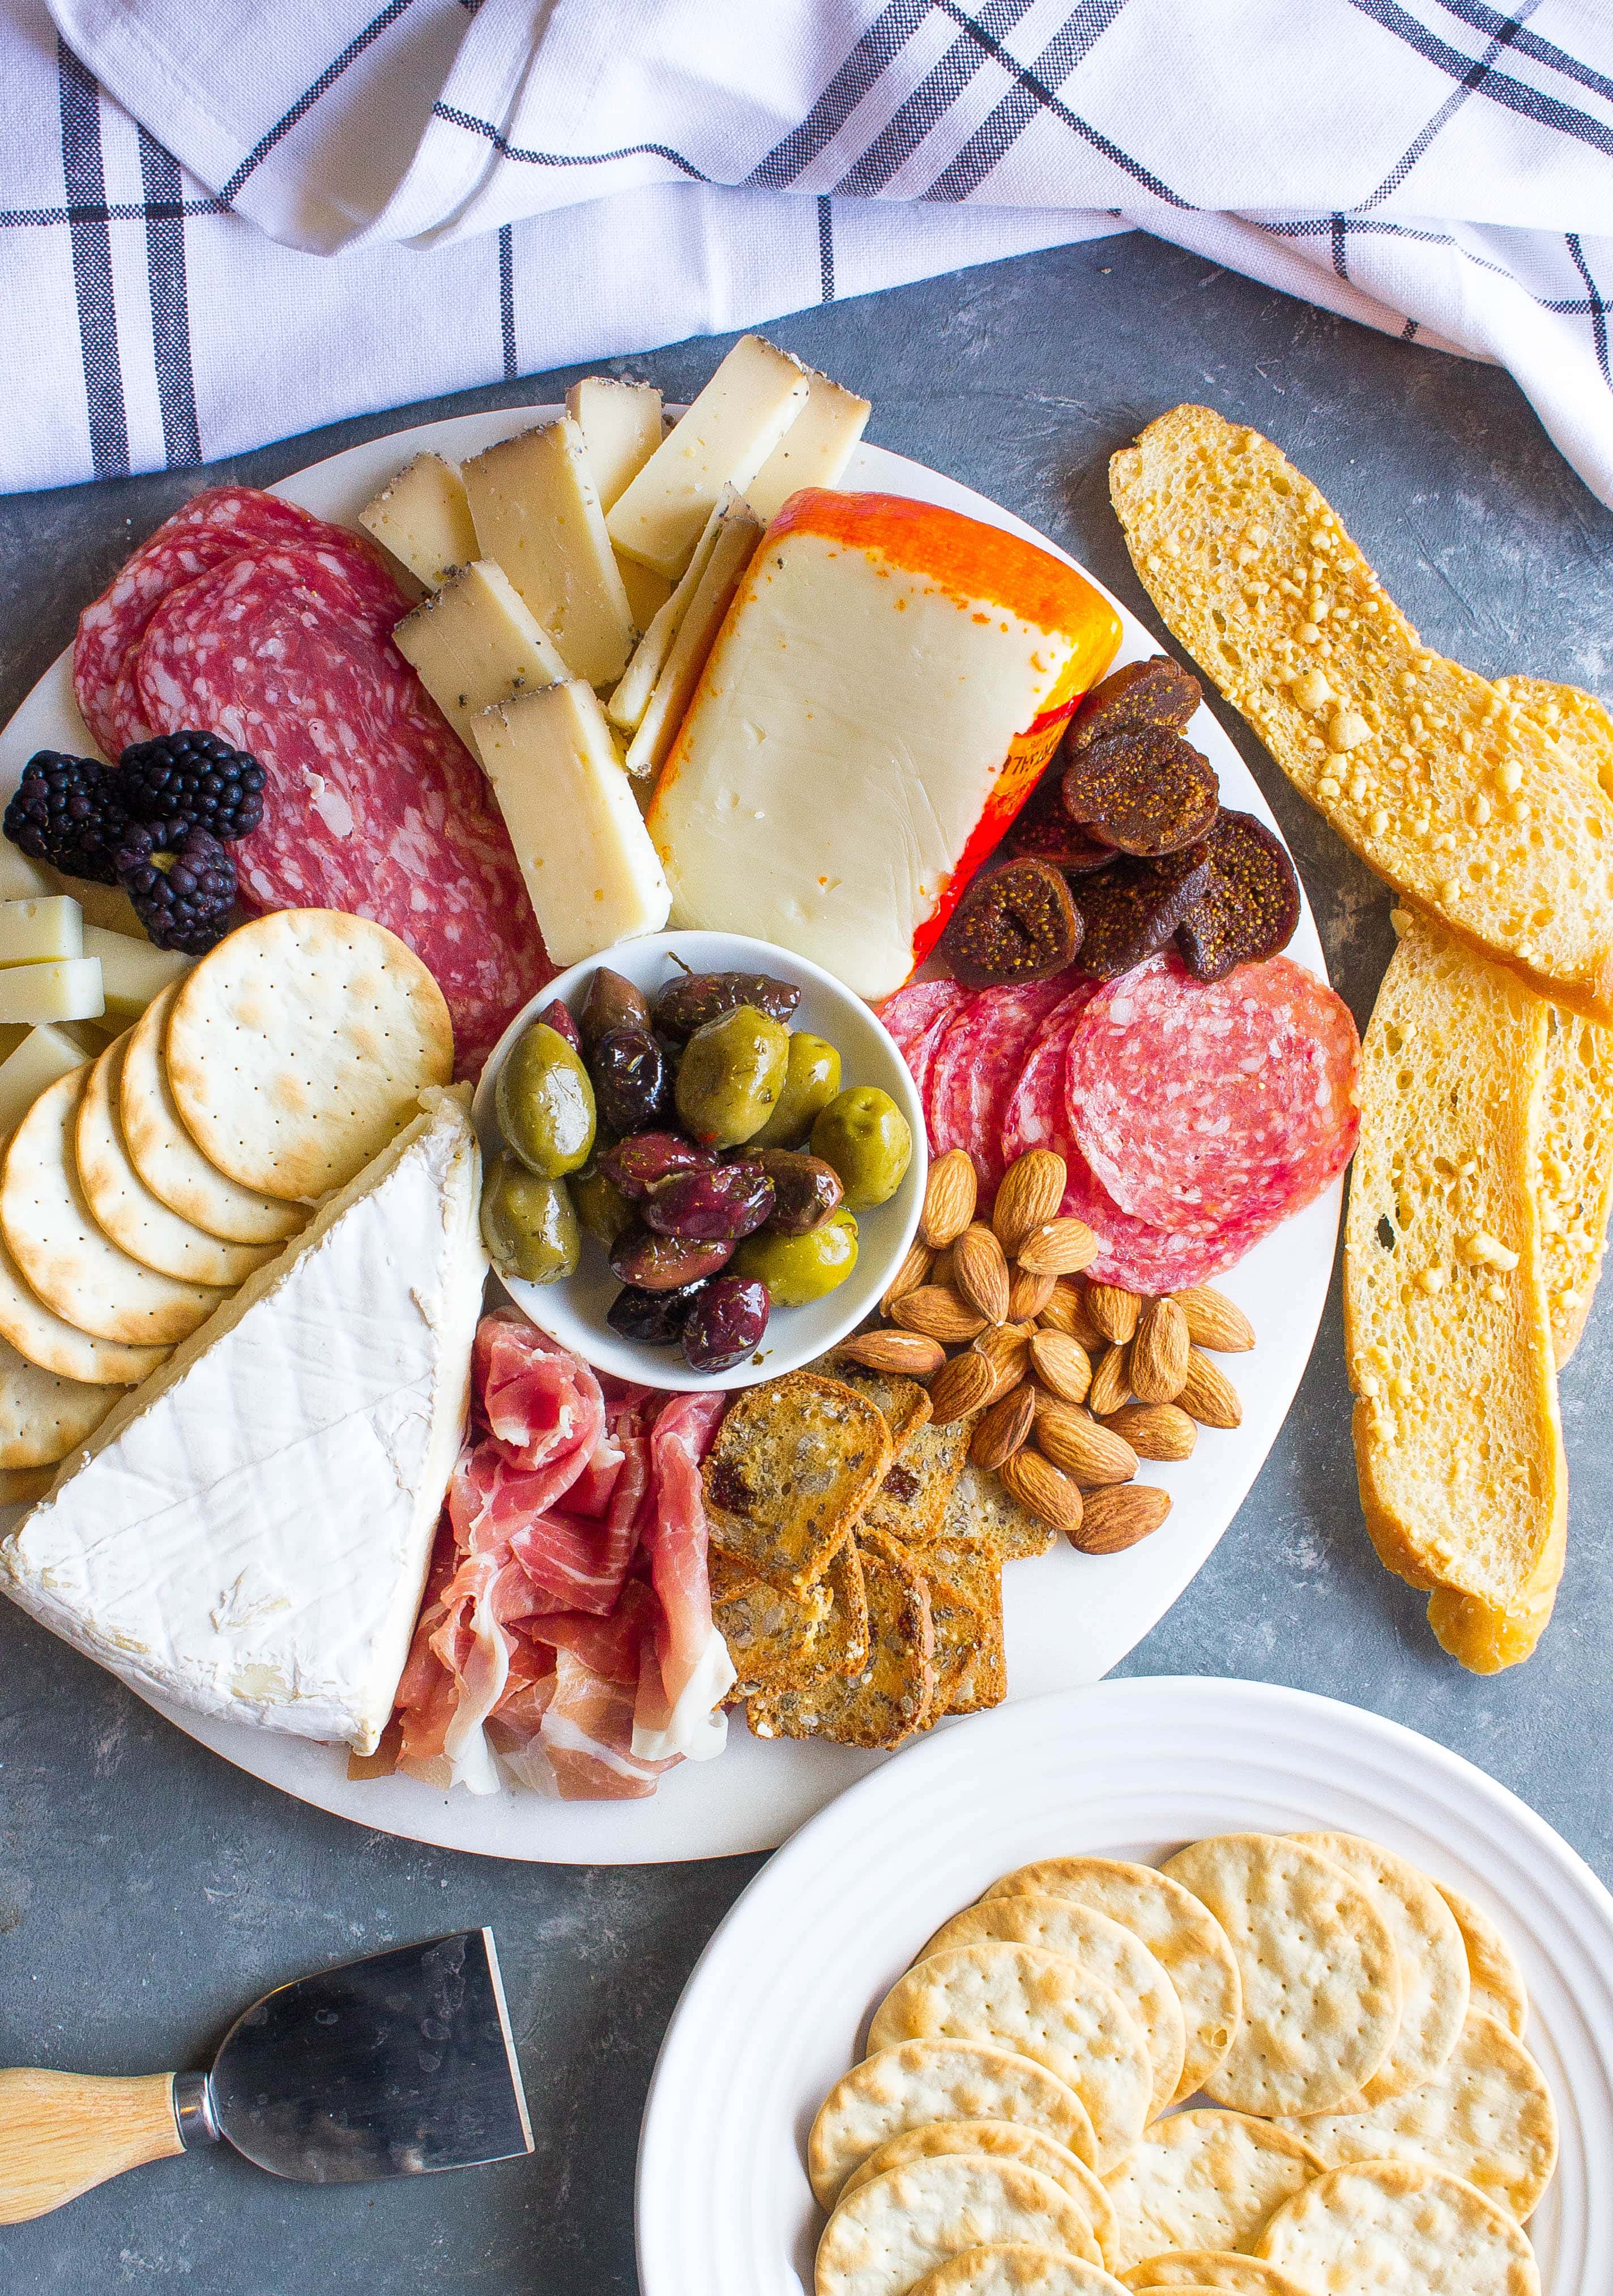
<point x="67" y="991"/>
<point x="249" y="1533"/>
<point x="133" y="974"/>
<point x="631" y="697"/>
<point x="476" y="642"/>
<point x="32" y="931"/>
<point x="43" y="1055"/>
<point x="722" y="441"/>
<point x="816" y="449"/>
<point x="737" y="537"/>
<point x="538" y="513"/>
<point x="423" y="519"/>
<point x="589" y="865"/>
<point x="621" y="428"/>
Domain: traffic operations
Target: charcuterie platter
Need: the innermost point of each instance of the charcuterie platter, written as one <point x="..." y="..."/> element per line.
<point x="974" y="1054"/>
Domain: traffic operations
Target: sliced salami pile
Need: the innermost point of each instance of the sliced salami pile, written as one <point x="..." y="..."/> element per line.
<point x="249" y="618"/>
<point x="1193" y="1118"/>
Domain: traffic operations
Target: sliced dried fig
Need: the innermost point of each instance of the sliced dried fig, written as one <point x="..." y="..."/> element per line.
<point x="1133" y="907"/>
<point x="1143" y="789"/>
<point x="1016" y="922"/>
<point x="1158" y="691"/>
<point x="1250" y="906"/>
<point x="1045" y="832"/>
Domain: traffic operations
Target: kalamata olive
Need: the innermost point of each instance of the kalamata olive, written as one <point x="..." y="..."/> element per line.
<point x="693" y="998"/>
<point x="611" y="1002"/>
<point x="654" y="1318"/>
<point x="726" y="1323"/>
<point x="633" y="1165"/>
<point x="629" y="1080"/>
<point x="558" y="1017"/>
<point x="664" y="1263"/>
<point x="806" y="1190"/>
<point x="716" y="1207"/>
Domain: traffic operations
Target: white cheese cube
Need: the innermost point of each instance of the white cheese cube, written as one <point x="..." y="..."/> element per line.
<point x="722" y="441"/>
<point x="32" y="932"/>
<point x="816" y="449"/>
<point x="737" y="537"/>
<point x="621" y="428"/>
<point x="68" y="990"/>
<point x="589" y="865"/>
<point x="43" y="1057"/>
<point x="538" y="513"/>
<point x="631" y="697"/>
<point x="423" y="519"/>
<point x="133" y="974"/>
<point x="647" y="591"/>
<point x="474" y="643"/>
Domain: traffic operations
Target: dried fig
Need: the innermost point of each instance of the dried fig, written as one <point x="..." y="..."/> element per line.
<point x="1133" y="907"/>
<point x="1250" y="906"/>
<point x="1045" y="832"/>
<point x="1155" y="692"/>
<point x="1015" y="923"/>
<point x="1143" y="789"/>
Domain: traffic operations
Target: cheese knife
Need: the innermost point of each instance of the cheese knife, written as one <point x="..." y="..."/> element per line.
<point x="387" y="2067"/>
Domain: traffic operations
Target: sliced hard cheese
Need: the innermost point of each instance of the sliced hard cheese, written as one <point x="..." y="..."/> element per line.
<point x="889" y="683"/>
<point x="631" y="698"/>
<point x="735" y="546"/>
<point x="816" y="449"/>
<point x="621" y="428"/>
<point x="538" y="513"/>
<point x="423" y="519"/>
<point x="33" y="932"/>
<point x="647" y="591"/>
<point x="249" y="1534"/>
<point x="21" y="879"/>
<point x="44" y="1055"/>
<point x="589" y="865"/>
<point x="133" y="972"/>
<point x="67" y="991"/>
<point x="722" y="441"/>
<point x="474" y="643"/>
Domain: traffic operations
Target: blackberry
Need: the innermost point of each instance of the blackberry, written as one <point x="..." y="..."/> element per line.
<point x="70" y="812"/>
<point x="181" y="882"/>
<point x="196" y="778"/>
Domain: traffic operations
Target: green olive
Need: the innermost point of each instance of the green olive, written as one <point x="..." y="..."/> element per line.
<point x="798" y="1268"/>
<point x="545" y="1102"/>
<point x="732" y="1073"/>
<point x="811" y="1080"/>
<point x="865" y="1136"/>
<point x="601" y="1206"/>
<point x="527" y="1222"/>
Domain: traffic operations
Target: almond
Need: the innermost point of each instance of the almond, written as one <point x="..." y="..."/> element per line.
<point x="1038" y="1485"/>
<point x="940" y="1313"/>
<point x="1208" y="1395"/>
<point x="1089" y="1455"/>
<point x="1214" y="1322"/>
<point x="959" y="1387"/>
<point x="949" y="1199"/>
<point x="1029" y="1294"/>
<point x="1066" y="1311"/>
<point x="1159" y="1353"/>
<point x="907" y="1353"/>
<point x="1114" y="1311"/>
<point x="980" y="1273"/>
<point x="1005" y="1348"/>
<point x="917" y="1261"/>
<point x="1062" y="1364"/>
<point x="1002" y="1429"/>
<point x="1118" y="1518"/>
<point x="1032" y="1190"/>
<point x="941" y="1273"/>
<point x="1155" y="1430"/>
<point x="1112" y="1382"/>
<point x="1059" y="1247"/>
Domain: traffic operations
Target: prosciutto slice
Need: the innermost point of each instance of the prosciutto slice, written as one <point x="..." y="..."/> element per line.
<point x="680" y="1712"/>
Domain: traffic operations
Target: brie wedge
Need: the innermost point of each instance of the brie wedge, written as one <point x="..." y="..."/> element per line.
<point x="248" y="1533"/>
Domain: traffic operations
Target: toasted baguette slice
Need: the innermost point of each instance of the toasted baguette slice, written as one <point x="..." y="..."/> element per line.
<point x="1447" y="1336"/>
<point x="1440" y="783"/>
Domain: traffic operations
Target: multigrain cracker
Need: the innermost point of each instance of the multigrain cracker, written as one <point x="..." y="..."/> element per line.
<point x="1496" y="1982"/>
<point x="1005" y="2140"/>
<point x="894" y="1693"/>
<point x="1321" y="1976"/>
<point x="1394" y="2229"/>
<point x="982" y="1509"/>
<point x="1204" y="2179"/>
<point x="902" y="1403"/>
<point x="1433" y="1963"/>
<point x="1195" y="2271"/>
<point x="1016" y="2271"/>
<point x="779" y="1643"/>
<point x="965" y="1587"/>
<point x="894" y="2229"/>
<point x="911" y="1501"/>
<point x="795" y="1463"/>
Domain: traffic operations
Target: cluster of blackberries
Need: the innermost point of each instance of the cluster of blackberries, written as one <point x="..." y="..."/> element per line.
<point x="157" y="823"/>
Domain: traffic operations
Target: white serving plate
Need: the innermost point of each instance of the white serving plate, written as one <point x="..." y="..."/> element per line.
<point x="777" y="2007"/>
<point x="1069" y="1617"/>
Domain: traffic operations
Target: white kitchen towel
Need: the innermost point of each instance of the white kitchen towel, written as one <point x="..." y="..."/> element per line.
<point x="222" y="223"/>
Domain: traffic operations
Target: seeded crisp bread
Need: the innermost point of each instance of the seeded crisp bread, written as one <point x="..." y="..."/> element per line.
<point x="902" y="1403"/>
<point x="982" y="1510"/>
<point x="779" y="1643"/>
<point x="910" y="1503"/>
<point x="795" y="1465"/>
<point x="965" y="1587"/>
<point x="894" y="1695"/>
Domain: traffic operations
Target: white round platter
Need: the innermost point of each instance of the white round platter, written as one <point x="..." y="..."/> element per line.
<point x="778" y="2003"/>
<point x="1069" y="1617"/>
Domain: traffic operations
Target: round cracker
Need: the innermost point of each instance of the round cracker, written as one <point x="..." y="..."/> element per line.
<point x="1485" y="2116"/>
<point x="1204" y="2179"/>
<point x="43" y="1417"/>
<point x="76" y="1269"/>
<point x="124" y="1208"/>
<point x="1004" y="2140"/>
<point x="58" y="1346"/>
<point x="1396" y="2228"/>
<point x="898" y="2227"/>
<point x="1433" y="1963"/>
<point x="299" y="1046"/>
<point x="168" y="1161"/>
<point x="21" y="1485"/>
<point x="1182" y="1935"/>
<point x="1194" y="2271"/>
<point x="1320" y="1973"/>
<point x="922" y="2081"/>
<point x="1496" y="1986"/>
<point x="1015" y="2271"/>
<point x="1111" y="1954"/>
<point x="1044" y="2007"/>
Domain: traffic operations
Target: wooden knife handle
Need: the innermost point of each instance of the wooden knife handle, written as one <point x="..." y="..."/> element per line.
<point x="61" y="2133"/>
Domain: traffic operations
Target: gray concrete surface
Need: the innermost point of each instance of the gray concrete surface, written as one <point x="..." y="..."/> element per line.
<point x="147" y="1891"/>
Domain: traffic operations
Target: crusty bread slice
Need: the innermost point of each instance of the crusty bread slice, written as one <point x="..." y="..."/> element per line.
<point x="1484" y="1638"/>
<point x="1575" y="720"/>
<point x="1447" y="1336"/>
<point x="1439" y="783"/>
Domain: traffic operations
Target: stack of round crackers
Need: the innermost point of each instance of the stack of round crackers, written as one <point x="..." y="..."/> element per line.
<point x="141" y="1190"/>
<point x="1282" y="2065"/>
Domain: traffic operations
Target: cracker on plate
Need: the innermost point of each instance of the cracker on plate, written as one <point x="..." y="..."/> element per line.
<point x="1006" y="2140"/>
<point x="1396" y="2228"/>
<point x="1433" y="1963"/>
<point x="891" y="2231"/>
<point x="1496" y="1986"/>
<point x="1205" y="2180"/>
<point x="893" y="1695"/>
<point x="168" y="1161"/>
<point x="795" y="1465"/>
<point x="902" y="1403"/>
<point x="49" y="1341"/>
<point x="1195" y="2270"/>
<point x="1014" y="2269"/>
<point x="911" y="1502"/>
<point x="43" y="1417"/>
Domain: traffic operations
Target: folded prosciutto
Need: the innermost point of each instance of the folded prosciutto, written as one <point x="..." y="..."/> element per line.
<point x="567" y="1627"/>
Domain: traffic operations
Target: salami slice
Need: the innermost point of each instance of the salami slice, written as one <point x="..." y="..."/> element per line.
<point x="977" y="1066"/>
<point x="374" y="805"/>
<point x="921" y="1055"/>
<point x="1190" y="1102"/>
<point x="910" y="1012"/>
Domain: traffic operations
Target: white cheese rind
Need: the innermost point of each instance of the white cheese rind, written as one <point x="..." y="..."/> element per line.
<point x="816" y="449"/>
<point x="474" y="643"/>
<point x="69" y="989"/>
<point x="538" y="513"/>
<point x="249" y="1533"/>
<point x="737" y="537"/>
<point x="425" y="520"/>
<point x="621" y="428"/>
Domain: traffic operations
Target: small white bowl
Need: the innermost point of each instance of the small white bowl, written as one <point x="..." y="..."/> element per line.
<point x="573" y="1312"/>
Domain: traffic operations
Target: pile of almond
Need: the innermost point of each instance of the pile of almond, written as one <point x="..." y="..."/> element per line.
<point x="1074" y="1381"/>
